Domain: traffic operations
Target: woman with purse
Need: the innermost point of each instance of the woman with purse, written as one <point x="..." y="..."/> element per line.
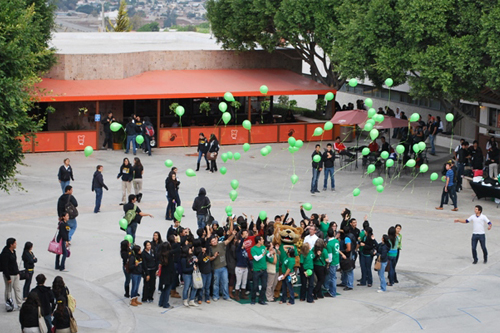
<point x="213" y="152"/>
<point x="369" y="246"/>
<point x="136" y="273"/>
<point x="29" y="261"/>
<point x="62" y="317"/>
<point x="383" y="250"/>
<point x="29" y="313"/>
<point x="63" y="236"/>
<point x="188" y="264"/>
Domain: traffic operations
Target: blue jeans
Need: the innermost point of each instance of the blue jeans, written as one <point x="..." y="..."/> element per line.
<point x="199" y="157"/>
<point x="201" y="221"/>
<point x="131" y="229"/>
<point x="98" y="199"/>
<point x="347" y="278"/>
<point x="284" y="286"/>
<point x="332" y="280"/>
<point x="221" y="280"/>
<point x="329" y="171"/>
<point x="432" y="138"/>
<point x="482" y="240"/>
<point x="392" y="270"/>
<point x="136" y="281"/>
<point x="207" y="280"/>
<point x="188" y="284"/>
<point x="165" y="296"/>
<point x="260" y="276"/>
<point x="63" y="185"/>
<point x="381" y="275"/>
<point x="147" y="140"/>
<point x="61" y="265"/>
<point x="126" y="285"/>
<point x="460" y="173"/>
<point x="131" y="138"/>
<point x="314" y="181"/>
<point x="452" y="193"/>
<point x="366" y="269"/>
<point x="72" y="225"/>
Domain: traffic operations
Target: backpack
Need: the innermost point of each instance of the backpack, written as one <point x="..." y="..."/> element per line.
<point x="149" y="130"/>
<point x="70" y="209"/>
<point x="130" y="215"/>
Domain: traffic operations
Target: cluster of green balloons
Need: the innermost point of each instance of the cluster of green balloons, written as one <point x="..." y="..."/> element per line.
<point x="329" y="96"/>
<point x="229" y="97"/>
<point x="169" y="163"/>
<point x="247" y="124"/>
<point x="179" y="110"/>
<point x="294" y="145"/>
<point x="265" y="150"/>
<point x="418" y="147"/>
<point x="263" y="90"/>
<point x="226" y="117"/>
<point x="229" y="156"/>
<point x="139" y="139"/>
<point x="115" y="127"/>
<point x="307" y="206"/>
<point x="190" y="173"/>
<point x="179" y="211"/>
<point x="88" y="151"/>
<point x="378" y="181"/>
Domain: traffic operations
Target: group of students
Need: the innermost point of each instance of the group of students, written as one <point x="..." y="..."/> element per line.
<point x="241" y="258"/>
<point x="41" y="301"/>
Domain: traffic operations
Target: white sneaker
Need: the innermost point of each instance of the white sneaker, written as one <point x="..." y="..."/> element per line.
<point x="192" y="303"/>
<point x="380" y="291"/>
<point x="186" y="303"/>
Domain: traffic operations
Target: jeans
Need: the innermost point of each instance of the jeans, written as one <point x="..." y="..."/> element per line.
<point x="220" y="280"/>
<point x="314" y="181"/>
<point x="347" y="278"/>
<point x="165" y="296"/>
<point x="260" y="276"/>
<point x="392" y="270"/>
<point x="147" y="141"/>
<point x="27" y="284"/>
<point x="63" y="185"/>
<point x="126" y="285"/>
<point x="307" y="285"/>
<point x="98" y="199"/>
<point x="482" y="240"/>
<point x="61" y="266"/>
<point x="136" y="281"/>
<point x="284" y="286"/>
<point x="48" y="322"/>
<point x="381" y="275"/>
<point x="329" y="171"/>
<point x="453" y="195"/>
<point x="366" y="269"/>
<point x="131" y="229"/>
<point x="202" y="154"/>
<point x="332" y="280"/>
<point x="432" y="138"/>
<point x="207" y="280"/>
<point x="320" y="272"/>
<point x="131" y="138"/>
<point x="188" y="284"/>
<point x="72" y="225"/>
<point x="395" y="265"/>
<point x="460" y="173"/>
<point x="201" y="221"/>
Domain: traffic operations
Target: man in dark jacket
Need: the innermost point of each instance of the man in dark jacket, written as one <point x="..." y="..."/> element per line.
<point x="64" y="199"/>
<point x="97" y="185"/>
<point x="201" y="205"/>
<point x="10" y="270"/>
<point x="131" y="131"/>
<point x="202" y="151"/>
<point x="316" y="169"/>
<point x="329" y="164"/>
<point x="106" y="122"/>
<point x="46" y="297"/>
<point x="477" y="157"/>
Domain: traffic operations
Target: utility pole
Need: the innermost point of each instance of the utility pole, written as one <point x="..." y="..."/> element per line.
<point x="102" y="10"/>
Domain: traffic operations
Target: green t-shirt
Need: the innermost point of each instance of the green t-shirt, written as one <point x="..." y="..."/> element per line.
<point x="260" y="265"/>
<point x="321" y="260"/>
<point x="333" y="248"/>
<point x="362" y="237"/>
<point x="270" y="260"/>
<point x="289" y="263"/>
<point x="307" y="260"/>
<point x="284" y="252"/>
<point x="323" y="226"/>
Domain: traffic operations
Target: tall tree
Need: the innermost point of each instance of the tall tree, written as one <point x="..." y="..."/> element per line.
<point x="122" y="23"/>
<point x="24" y="53"/>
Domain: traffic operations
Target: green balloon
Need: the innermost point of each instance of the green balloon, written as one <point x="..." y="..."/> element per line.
<point x="139" y="139"/>
<point x="384" y="155"/>
<point x="380" y="181"/>
<point x="434" y="176"/>
<point x="179" y="210"/>
<point x="328" y="126"/>
<point x="317" y="158"/>
<point x="371" y="112"/>
<point x="269" y="148"/>
<point x="389" y="163"/>
<point x="389" y="82"/>
<point x="292" y="141"/>
<point x="380" y="188"/>
<point x="88" y="151"/>
<point x="369" y="102"/>
<point x="190" y="173"/>
<point x="169" y="163"/>
<point x="246" y="147"/>
<point x="263" y="90"/>
<point x="179" y="110"/>
<point x="353" y="82"/>
<point x="299" y="143"/>
<point x="229" y="97"/>
<point x="223" y="170"/>
<point x="365" y="151"/>
<point x="264" y="151"/>
<point x="223" y="106"/>
<point x="411" y="163"/>
<point x="318" y="131"/>
<point x="368" y="127"/>
<point x="229" y="155"/>
<point x="226" y="117"/>
<point x="123" y="224"/>
<point x="129" y="239"/>
<point x="371" y="121"/>
<point x="421" y="145"/>
<point x="356" y="192"/>
<point x="309" y="272"/>
<point x="247" y="124"/>
<point x="291" y="149"/>
<point x="233" y="195"/>
<point x="329" y="96"/>
<point x="374" y="133"/>
<point x="237" y="156"/>
<point x="307" y="206"/>
<point x="177" y="216"/>
<point x="235" y="184"/>
<point x="294" y="179"/>
<point x="262" y="215"/>
<point x="115" y="126"/>
<point x="400" y="149"/>
<point x="416" y="148"/>
<point x="379" y="118"/>
<point x="424" y="168"/>
<point x="229" y="210"/>
<point x="414" y="117"/>
<point x="375" y="181"/>
<point x="443" y="179"/>
<point x="450" y="117"/>
<point x="224" y="157"/>
<point x="370" y="168"/>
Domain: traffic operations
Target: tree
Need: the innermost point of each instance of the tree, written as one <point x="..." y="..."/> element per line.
<point x="153" y="26"/>
<point x="23" y="52"/>
<point x="122" y="23"/>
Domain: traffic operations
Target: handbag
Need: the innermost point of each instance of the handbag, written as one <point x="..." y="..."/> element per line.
<point x="293" y="278"/>
<point x="71" y="301"/>
<point x="54" y="246"/>
<point x="346" y="264"/>
<point x="197" y="279"/>
<point x="42" y="326"/>
<point x="23" y="274"/>
<point x="210" y="218"/>
<point x="377" y="265"/>
<point x="70" y="209"/>
<point x="212" y="156"/>
<point x="73" y="327"/>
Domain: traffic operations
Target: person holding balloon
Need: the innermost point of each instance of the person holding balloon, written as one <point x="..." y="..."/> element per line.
<point x="131" y="131"/>
<point x="306" y="273"/>
<point x="333" y="249"/>
<point x="106" y="122"/>
<point x="317" y="166"/>
<point x="131" y="205"/>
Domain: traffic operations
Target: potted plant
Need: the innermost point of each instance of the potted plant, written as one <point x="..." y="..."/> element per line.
<point x="205" y="107"/>
<point x="119" y="139"/>
<point x="236" y="105"/>
<point x="264" y="106"/>
<point x="320" y="106"/>
<point x="172" y="107"/>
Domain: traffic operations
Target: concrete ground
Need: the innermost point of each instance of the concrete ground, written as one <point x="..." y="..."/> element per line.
<point x="439" y="290"/>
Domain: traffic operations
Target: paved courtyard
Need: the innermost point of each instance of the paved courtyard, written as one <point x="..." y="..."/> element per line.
<point x="439" y="290"/>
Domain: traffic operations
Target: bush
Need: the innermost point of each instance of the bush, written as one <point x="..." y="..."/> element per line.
<point x="153" y="26"/>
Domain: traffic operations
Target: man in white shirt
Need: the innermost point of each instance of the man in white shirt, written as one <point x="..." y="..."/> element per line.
<point x="479" y="221"/>
<point x="311" y="238"/>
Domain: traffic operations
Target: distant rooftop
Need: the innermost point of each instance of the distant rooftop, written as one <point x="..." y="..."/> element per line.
<point x="125" y="42"/>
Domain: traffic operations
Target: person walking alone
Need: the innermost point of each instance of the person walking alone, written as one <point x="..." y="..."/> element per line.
<point x="65" y="174"/>
<point x="479" y="221"/>
<point x="97" y="186"/>
<point x="138" y="170"/>
<point x="449" y="188"/>
<point x="201" y="206"/>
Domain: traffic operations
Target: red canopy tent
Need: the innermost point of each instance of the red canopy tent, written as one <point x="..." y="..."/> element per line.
<point x="350" y="117"/>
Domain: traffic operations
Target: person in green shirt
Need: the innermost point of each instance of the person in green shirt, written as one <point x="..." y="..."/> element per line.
<point x="399" y="238"/>
<point x="307" y="280"/>
<point x="287" y="269"/>
<point x="258" y="253"/>
<point x="324" y="225"/>
<point x="333" y="249"/>
<point x="320" y="258"/>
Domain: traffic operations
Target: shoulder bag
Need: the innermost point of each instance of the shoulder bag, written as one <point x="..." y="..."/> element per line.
<point x="54" y="246"/>
<point x="377" y="265"/>
<point x="73" y="327"/>
<point x="70" y="208"/>
<point x="71" y="301"/>
<point x="42" y="326"/>
<point x="197" y="279"/>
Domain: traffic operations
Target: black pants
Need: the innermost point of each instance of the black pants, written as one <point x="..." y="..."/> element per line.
<point x="260" y="276"/>
<point x="108" y="139"/>
<point x="27" y="284"/>
<point x="213" y="165"/>
<point x="149" y="287"/>
<point x="307" y="285"/>
<point x="320" y="272"/>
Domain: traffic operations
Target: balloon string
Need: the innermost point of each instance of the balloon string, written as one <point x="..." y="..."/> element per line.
<point x="410" y="183"/>
<point x="182" y="133"/>
<point x="451" y="140"/>
<point x="376" y="197"/>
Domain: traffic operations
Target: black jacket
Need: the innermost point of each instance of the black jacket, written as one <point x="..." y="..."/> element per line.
<point x="132" y="267"/>
<point x="171" y="187"/>
<point x="28" y="316"/>
<point x="46" y="297"/>
<point x="65" y="175"/>
<point x="187" y="265"/>
<point x="316" y="165"/>
<point x="370" y="245"/>
<point x="61" y="321"/>
<point x="63" y="232"/>
<point x="383" y="250"/>
<point x="477" y="158"/>
<point x="131" y="129"/>
<point x="329" y="162"/>
<point x="63" y="200"/>
<point x="126" y="173"/>
<point x="168" y="274"/>
<point x="106" y="122"/>
<point x="202" y="145"/>
<point x="98" y="181"/>
<point x="29" y="260"/>
<point x="9" y="263"/>
<point x="201" y="203"/>
<point x="149" y="260"/>
<point x="213" y="146"/>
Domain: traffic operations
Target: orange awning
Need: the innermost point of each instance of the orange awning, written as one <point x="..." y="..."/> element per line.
<point x="182" y="84"/>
